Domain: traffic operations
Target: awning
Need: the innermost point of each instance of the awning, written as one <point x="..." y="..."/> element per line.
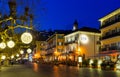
<point x="101" y="55"/>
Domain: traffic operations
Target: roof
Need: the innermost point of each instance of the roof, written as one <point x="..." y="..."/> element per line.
<point x="110" y="15"/>
<point x="87" y="29"/>
<point x="59" y="32"/>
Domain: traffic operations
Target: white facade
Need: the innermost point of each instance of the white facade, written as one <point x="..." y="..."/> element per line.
<point x="86" y="41"/>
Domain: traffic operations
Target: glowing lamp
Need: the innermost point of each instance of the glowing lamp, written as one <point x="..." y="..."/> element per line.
<point x="17" y="55"/>
<point x="3" y="57"/>
<point x="29" y="50"/>
<point x="99" y="63"/>
<point x="79" y="59"/>
<point x="21" y="51"/>
<point x="26" y="38"/>
<point x="79" y="49"/>
<point x="2" y="45"/>
<point x="12" y="57"/>
<point x="91" y="61"/>
<point x="10" y="44"/>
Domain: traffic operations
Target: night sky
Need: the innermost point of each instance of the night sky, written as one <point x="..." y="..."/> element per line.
<point x="61" y="14"/>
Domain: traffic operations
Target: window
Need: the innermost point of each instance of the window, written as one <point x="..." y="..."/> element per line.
<point x="113" y="44"/>
<point x="118" y="44"/>
<point x="73" y="38"/>
<point x="60" y="37"/>
<point x="113" y="31"/>
<point x="106" y="46"/>
<point x="69" y="39"/>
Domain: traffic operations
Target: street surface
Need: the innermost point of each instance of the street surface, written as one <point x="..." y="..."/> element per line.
<point x="44" y="70"/>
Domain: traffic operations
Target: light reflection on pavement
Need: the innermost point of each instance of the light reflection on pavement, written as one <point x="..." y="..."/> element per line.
<point x="45" y="70"/>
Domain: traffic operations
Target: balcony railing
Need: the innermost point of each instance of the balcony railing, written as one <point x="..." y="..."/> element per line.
<point x="110" y="23"/>
<point x="51" y="47"/>
<point x="110" y="48"/>
<point x="66" y="43"/>
<point x="111" y="35"/>
<point x="98" y="42"/>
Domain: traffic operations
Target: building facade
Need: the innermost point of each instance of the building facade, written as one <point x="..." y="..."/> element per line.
<point x="110" y="36"/>
<point x="55" y="47"/>
<point x="82" y="42"/>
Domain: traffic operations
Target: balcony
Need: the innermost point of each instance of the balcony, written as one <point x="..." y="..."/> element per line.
<point x="110" y="36"/>
<point x="110" y="23"/>
<point x="110" y="48"/>
<point x="51" y="47"/>
<point x="66" y="43"/>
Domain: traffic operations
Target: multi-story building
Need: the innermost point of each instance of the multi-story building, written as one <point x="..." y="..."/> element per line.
<point x="55" y="46"/>
<point x="82" y="42"/>
<point x="40" y="49"/>
<point x="110" y="35"/>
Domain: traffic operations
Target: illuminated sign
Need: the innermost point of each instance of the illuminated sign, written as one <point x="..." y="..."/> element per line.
<point x="84" y="39"/>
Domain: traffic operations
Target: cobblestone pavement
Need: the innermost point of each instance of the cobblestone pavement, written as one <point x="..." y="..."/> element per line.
<point x="43" y="70"/>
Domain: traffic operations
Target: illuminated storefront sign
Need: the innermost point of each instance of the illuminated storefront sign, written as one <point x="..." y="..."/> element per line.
<point x="84" y="39"/>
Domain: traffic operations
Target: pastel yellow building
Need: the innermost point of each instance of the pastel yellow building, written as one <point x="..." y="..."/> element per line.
<point x="82" y="42"/>
<point x="110" y="35"/>
<point x="55" y="47"/>
<point x="40" y="49"/>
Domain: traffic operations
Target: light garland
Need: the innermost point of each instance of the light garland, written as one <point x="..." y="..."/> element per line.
<point x="26" y="38"/>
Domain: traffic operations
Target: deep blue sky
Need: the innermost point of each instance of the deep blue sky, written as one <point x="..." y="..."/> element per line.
<point x="61" y="14"/>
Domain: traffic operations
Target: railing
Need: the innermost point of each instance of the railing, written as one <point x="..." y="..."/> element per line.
<point x="110" y="23"/>
<point x="50" y="47"/>
<point x="110" y="48"/>
<point x="66" y="43"/>
<point x="110" y="36"/>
